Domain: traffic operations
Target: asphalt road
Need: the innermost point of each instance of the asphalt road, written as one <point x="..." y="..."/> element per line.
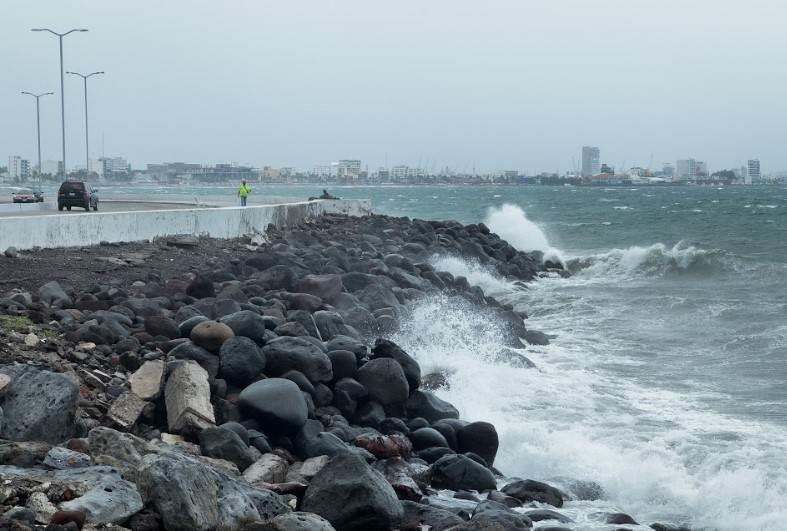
<point x="9" y="209"/>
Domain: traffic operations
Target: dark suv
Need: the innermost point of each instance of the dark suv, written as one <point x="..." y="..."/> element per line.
<point x="77" y="194"/>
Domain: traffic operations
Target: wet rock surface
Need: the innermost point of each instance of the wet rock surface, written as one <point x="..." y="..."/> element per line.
<point x="223" y="385"/>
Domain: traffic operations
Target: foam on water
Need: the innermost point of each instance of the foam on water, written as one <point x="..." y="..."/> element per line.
<point x="659" y="454"/>
<point x="510" y="223"/>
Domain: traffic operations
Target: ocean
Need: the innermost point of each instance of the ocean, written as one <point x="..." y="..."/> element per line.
<point x="666" y="378"/>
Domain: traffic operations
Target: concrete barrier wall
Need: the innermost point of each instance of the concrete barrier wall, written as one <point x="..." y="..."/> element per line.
<point x="75" y="230"/>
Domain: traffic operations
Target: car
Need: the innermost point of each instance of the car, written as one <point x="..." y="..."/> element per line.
<point x="26" y="195"/>
<point x="77" y="194"/>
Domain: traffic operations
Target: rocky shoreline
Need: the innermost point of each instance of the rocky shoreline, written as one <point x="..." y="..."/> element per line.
<point x="206" y="385"/>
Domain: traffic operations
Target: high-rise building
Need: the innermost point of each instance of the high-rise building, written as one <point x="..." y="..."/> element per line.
<point x="686" y="169"/>
<point x="349" y="168"/>
<point x="113" y="165"/>
<point x="591" y="161"/>
<point x="18" y="168"/>
<point x="752" y="171"/>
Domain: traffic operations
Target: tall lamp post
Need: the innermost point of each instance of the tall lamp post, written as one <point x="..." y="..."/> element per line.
<point x="87" y="151"/>
<point x="62" y="95"/>
<point x="38" y="128"/>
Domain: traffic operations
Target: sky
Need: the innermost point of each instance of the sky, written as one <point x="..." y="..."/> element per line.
<point x="492" y="85"/>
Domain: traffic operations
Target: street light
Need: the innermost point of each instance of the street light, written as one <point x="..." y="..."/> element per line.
<point x="38" y="128"/>
<point x="62" y="95"/>
<point x="87" y="151"/>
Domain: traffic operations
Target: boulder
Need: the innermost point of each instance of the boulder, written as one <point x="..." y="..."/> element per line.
<point x="287" y="353"/>
<point x="63" y="458"/>
<point x="528" y="490"/>
<point x="353" y="497"/>
<point x="388" y="349"/>
<point x="221" y="443"/>
<point x="247" y="324"/>
<point x="423" y="438"/>
<point x="489" y="515"/>
<point x="200" y="288"/>
<point x="330" y="324"/>
<point x="186" y="326"/>
<point x="416" y="515"/>
<point x="126" y="409"/>
<point x="425" y="404"/>
<point x="191" y="496"/>
<point x="38" y="405"/>
<point x="459" y="472"/>
<point x="158" y="325"/>
<point x="344" y="363"/>
<point x="240" y="360"/>
<point x="277" y="403"/>
<point x="296" y="521"/>
<point x="326" y="287"/>
<point x="53" y="294"/>
<point x="386" y="382"/>
<point x="270" y="468"/>
<point x="187" y="398"/>
<point x="210" y="335"/>
<point x="481" y="439"/>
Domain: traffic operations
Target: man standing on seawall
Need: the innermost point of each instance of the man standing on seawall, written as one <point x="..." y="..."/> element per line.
<point x="243" y="192"/>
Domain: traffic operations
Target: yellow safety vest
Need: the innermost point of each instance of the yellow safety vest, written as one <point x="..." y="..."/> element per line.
<point x="244" y="190"/>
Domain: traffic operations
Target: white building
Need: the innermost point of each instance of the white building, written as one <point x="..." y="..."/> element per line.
<point x="50" y="167"/>
<point x="686" y="169"/>
<point x="399" y="173"/>
<point x="18" y="168"/>
<point x="116" y="165"/>
<point x="349" y="168"/>
<point x="753" y="171"/>
<point x="591" y="161"/>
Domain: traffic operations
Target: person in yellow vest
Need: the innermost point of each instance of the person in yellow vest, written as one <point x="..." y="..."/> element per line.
<point x="243" y="192"/>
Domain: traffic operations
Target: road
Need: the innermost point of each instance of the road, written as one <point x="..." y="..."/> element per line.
<point x="9" y="209"/>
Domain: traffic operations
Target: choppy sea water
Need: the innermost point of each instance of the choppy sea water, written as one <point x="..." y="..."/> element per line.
<point x="666" y="381"/>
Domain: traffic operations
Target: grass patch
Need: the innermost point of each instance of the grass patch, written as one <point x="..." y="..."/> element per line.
<point x="17" y="323"/>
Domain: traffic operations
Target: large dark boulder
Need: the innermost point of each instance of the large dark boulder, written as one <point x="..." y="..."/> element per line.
<point x="425" y="404"/>
<point x="481" y="439"/>
<point x="211" y="335"/>
<point x="344" y="363"/>
<point x="528" y="490"/>
<point x="240" y="360"/>
<point x="158" y="325"/>
<point x="38" y="405"/>
<point x="326" y="287"/>
<point x="278" y="404"/>
<point x="416" y="515"/>
<point x="296" y="353"/>
<point x="459" y="472"/>
<point x="353" y="497"/>
<point x="222" y="443"/>
<point x="330" y="325"/>
<point x="276" y="277"/>
<point x="490" y="515"/>
<point x="247" y="324"/>
<point x="424" y="438"/>
<point x="385" y="381"/>
<point x="200" y="288"/>
<point x="384" y="348"/>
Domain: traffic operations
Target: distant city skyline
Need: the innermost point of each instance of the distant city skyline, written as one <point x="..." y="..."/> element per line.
<point x="429" y="85"/>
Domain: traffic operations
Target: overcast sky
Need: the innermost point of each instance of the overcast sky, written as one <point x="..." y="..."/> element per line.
<point x="502" y="84"/>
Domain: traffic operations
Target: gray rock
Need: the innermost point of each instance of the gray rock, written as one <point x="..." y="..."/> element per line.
<point x="459" y="472"/>
<point x="277" y="403"/>
<point x="296" y="522"/>
<point x="330" y="325"/>
<point x="481" y="439"/>
<point x="126" y="410"/>
<point x="63" y="458"/>
<point x="158" y="325"/>
<point x="388" y="349"/>
<point x="221" y="443"/>
<point x="270" y="468"/>
<point x="191" y="496"/>
<point x="287" y="353"/>
<point x="148" y="380"/>
<point x="107" y="498"/>
<point x="210" y="335"/>
<point x="425" y="404"/>
<point x="240" y="360"/>
<point x="386" y="382"/>
<point x="326" y="287"/>
<point x="416" y="514"/>
<point x="53" y="294"/>
<point x="352" y="496"/>
<point x="38" y="405"/>
<point x="527" y="490"/>
<point x="247" y="324"/>
<point x="11" y="252"/>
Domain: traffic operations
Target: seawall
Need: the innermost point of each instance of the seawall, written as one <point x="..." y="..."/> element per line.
<point x="76" y="230"/>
